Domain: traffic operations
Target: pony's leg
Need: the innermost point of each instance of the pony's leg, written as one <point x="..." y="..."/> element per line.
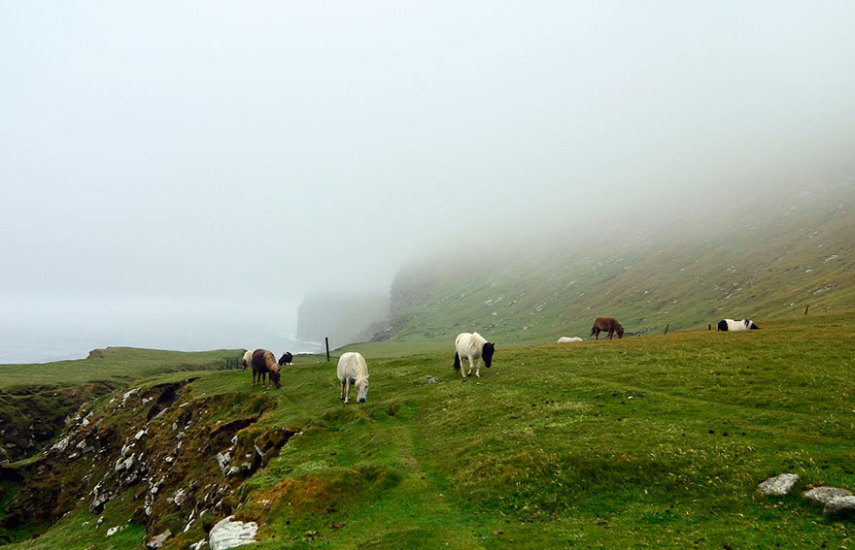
<point x="470" y="367"/>
<point x="341" y="397"/>
<point x="478" y="368"/>
<point x="347" y="392"/>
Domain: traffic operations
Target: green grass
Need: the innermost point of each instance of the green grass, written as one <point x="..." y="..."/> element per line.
<point x="658" y="441"/>
<point x="115" y="366"/>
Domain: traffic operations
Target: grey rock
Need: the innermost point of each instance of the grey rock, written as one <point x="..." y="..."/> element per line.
<point x="840" y="507"/>
<point x="159" y="540"/>
<point x="124" y="464"/>
<point x="824" y="495"/>
<point x="62" y="444"/>
<point x="779" y="485"/>
<point x="128" y="396"/>
<point x="223" y="460"/>
<point x="100" y="496"/>
<point x="230" y="534"/>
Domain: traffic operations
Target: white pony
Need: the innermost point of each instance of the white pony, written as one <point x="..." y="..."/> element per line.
<point x="737" y="324"/>
<point x="247" y="359"/>
<point x="474" y="347"/>
<point x="569" y="340"/>
<point x="353" y="370"/>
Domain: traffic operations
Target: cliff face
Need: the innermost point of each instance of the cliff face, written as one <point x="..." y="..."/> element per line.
<point x="342" y="319"/>
<point x="154" y="456"/>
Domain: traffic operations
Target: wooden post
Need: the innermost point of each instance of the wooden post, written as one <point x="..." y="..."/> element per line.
<point x="327" y="342"/>
<point x="806" y="308"/>
<point x="666" y="328"/>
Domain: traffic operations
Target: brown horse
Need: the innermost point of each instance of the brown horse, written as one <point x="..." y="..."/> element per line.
<point x="263" y="363"/>
<point x="606" y="324"/>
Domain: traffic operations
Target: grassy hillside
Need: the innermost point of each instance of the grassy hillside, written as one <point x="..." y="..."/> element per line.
<point x="765" y="260"/>
<point x="113" y="366"/>
<point x="657" y="441"/>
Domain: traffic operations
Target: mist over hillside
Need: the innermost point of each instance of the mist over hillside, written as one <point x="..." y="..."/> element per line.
<point x="341" y="318"/>
<point x="775" y="255"/>
<point x="767" y="253"/>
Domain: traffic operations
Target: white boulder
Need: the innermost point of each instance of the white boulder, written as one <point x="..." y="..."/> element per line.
<point x="230" y="534"/>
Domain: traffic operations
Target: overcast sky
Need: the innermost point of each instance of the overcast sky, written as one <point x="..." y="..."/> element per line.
<point x="185" y="158"/>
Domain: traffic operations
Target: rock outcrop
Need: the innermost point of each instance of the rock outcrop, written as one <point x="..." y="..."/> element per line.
<point x="230" y="534"/>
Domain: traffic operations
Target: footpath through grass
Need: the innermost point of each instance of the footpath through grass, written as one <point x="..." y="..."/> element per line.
<point x="655" y="441"/>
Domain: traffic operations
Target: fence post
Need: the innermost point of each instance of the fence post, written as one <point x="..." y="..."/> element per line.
<point x="327" y="343"/>
<point x="806" y="308"/>
<point x="666" y="328"/>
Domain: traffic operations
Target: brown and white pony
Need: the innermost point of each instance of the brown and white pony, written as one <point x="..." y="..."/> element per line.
<point x="263" y="362"/>
<point x="606" y="324"/>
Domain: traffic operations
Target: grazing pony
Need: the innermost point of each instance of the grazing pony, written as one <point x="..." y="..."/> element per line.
<point x="736" y="324"/>
<point x="247" y="359"/>
<point x="264" y="362"/>
<point x="352" y="370"/>
<point x="474" y="347"/>
<point x="569" y="340"/>
<point x="606" y="324"/>
<point x="286" y="358"/>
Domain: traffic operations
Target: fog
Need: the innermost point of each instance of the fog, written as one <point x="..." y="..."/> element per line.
<point x="182" y="174"/>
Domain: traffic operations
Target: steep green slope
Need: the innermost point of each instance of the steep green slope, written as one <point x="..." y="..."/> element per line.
<point x="760" y="261"/>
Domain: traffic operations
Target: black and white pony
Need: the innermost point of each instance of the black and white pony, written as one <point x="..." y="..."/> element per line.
<point x="286" y="358"/>
<point x="736" y="324"/>
<point x="474" y="347"/>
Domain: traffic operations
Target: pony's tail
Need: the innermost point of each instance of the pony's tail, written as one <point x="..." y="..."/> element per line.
<point x="456" y="361"/>
<point x="593" y="328"/>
